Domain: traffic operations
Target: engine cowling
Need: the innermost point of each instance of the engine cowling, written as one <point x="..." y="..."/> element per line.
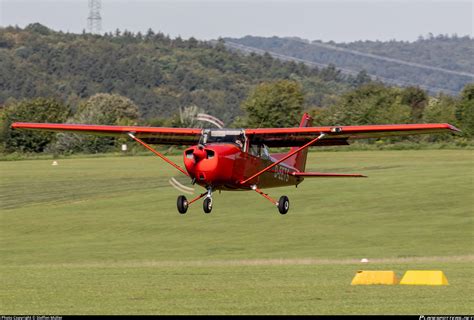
<point x="201" y="163"/>
<point x="210" y="164"/>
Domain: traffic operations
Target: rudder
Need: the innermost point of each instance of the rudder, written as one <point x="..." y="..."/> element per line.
<point x="298" y="161"/>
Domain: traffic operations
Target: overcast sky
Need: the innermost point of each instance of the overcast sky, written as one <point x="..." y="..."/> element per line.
<point x="340" y="20"/>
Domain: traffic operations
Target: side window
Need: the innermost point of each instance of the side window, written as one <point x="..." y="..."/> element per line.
<point x="256" y="150"/>
<point x="265" y="152"/>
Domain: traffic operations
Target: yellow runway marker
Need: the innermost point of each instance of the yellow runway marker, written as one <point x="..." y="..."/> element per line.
<point x="365" y="277"/>
<point x="424" y="277"/>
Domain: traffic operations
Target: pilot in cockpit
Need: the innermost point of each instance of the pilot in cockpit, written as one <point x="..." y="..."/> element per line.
<point x="239" y="143"/>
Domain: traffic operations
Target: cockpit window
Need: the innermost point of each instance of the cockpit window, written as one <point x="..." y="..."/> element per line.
<point x="259" y="150"/>
<point x="236" y="137"/>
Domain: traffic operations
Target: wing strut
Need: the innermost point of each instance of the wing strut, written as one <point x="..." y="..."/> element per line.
<point x="321" y="135"/>
<point x="157" y="153"/>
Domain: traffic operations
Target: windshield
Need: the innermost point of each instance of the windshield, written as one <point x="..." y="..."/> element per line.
<point x="236" y="137"/>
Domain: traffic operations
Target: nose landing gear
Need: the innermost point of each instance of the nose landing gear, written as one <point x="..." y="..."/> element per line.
<point x="183" y="203"/>
<point x="207" y="205"/>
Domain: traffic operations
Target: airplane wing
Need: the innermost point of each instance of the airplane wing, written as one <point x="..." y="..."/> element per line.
<point x="340" y="135"/>
<point x="272" y="137"/>
<point x="153" y="135"/>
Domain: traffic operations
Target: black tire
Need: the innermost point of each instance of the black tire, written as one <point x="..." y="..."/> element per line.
<point x="207" y="205"/>
<point x="182" y="204"/>
<point x="283" y="204"/>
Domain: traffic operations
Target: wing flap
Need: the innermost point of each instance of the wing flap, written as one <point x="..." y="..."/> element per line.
<point x="154" y="135"/>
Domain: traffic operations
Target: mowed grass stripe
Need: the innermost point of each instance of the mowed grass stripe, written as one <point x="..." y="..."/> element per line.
<point x="36" y="182"/>
<point x="253" y="262"/>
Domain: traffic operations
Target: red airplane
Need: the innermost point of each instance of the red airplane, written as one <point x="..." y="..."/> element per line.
<point x="238" y="159"/>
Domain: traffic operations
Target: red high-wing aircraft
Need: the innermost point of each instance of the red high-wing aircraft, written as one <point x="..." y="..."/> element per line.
<point x="238" y="159"/>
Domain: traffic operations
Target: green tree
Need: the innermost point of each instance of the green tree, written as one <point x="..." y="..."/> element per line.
<point x="465" y="111"/>
<point x="35" y="110"/>
<point x="108" y="109"/>
<point x="441" y="109"/>
<point x="416" y="99"/>
<point x="274" y="104"/>
<point x="101" y="109"/>
<point x="361" y="79"/>
<point x="370" y="104"/>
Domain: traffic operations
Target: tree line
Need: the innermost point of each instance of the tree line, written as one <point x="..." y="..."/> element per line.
<point x="269" y="104"/>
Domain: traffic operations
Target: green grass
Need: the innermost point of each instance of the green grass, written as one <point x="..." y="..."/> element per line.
<point x="102" y="236"/>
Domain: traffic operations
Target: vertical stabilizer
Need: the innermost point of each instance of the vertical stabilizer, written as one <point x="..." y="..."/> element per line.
<point x="298" y="161"/>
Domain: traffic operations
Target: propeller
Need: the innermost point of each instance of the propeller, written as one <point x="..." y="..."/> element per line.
<point x="179" y="186"/>
<point x="191" y="116"/>
<point x="211" y="119"/>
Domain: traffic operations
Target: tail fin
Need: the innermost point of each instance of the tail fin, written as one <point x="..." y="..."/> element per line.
<point x="298" y="161"/>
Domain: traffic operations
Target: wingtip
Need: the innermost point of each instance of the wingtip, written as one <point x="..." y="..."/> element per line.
<point x="23" y="125"/>
<point x="453" y="129"/>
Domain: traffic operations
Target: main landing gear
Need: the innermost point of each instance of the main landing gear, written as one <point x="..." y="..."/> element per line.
<point x="183" y="203"/>
<point x="283" y="204"/>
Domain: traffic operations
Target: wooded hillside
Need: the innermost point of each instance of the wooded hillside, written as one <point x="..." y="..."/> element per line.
<point x="156" y="72"/>
<point x="436" y="64"/>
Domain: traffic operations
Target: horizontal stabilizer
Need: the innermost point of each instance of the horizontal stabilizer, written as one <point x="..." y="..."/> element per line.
<point x="328" y="175"/>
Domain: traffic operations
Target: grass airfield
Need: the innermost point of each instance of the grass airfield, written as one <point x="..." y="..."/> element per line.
<point x="103" y="236"/>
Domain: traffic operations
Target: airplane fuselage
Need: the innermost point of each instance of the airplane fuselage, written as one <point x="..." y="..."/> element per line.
<point x="223" y="166"/>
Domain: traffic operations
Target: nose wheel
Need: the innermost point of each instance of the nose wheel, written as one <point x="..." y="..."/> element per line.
<point x="207" y="205"/>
